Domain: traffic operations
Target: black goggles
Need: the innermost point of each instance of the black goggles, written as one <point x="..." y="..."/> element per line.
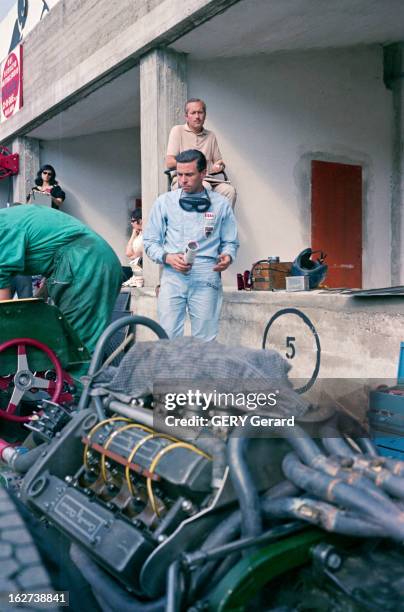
<point x="200" y="204"/>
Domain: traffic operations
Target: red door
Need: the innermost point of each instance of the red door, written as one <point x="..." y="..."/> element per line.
<point x="336" y="220"/>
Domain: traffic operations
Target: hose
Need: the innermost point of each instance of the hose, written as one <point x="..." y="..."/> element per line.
<point x="382" y="477"/>
<point x="229" y="529"/>
<point x="175" y="587"/>
<point x="22" y="463"/>
<point x="336" y="490"/>
<point x="334" y="468"/>
<point x="321" y="514"/>
<point x="336" y="446"/>
<point x="334" y="441"/>
<point x="244" y="487"/>
<point x="20" y="459"/>
<point x="216" y="448"/>
<point x="109" y="594"/>
<point x="394" y="465"/>
<point x="366" y="445"/>
<point x="304" y="446"/>
<point x="310" y="453"/>
<point x="223" y="568"/>
<point x="95" y="365"/>
<point x="275" y="533"/>
<point x="226" y="531"/>
<point x="282" y="489"/>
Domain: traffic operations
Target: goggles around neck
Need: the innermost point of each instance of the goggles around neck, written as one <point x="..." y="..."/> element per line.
<point x="193" y="203"/>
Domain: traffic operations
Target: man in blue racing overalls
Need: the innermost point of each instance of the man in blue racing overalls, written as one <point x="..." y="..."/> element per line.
<point x="191" y="219"/>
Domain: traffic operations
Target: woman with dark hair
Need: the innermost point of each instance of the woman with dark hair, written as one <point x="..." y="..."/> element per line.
<point x="47" y="184"/>
<point x="134" y="250"/>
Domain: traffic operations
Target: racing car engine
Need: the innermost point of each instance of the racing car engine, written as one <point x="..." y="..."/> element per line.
<point x="163" y="511"/>
<point x="119" y="488"/>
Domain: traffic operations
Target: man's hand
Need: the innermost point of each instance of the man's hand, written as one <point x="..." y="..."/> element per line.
<point x="223" y="262"/>
<point x="219" y="166"/>
<point x="171" y="162"/>
<point x="176" y="261"/>
<point x="5" y="294"/>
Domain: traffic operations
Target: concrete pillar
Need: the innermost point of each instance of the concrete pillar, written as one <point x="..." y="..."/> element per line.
<point x="393" y="78"/>
<point x="163" y="92"/>
<point x="28" y="150"/>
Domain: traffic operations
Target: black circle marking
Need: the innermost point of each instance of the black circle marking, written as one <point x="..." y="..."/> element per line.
<point x="310" y="325"/>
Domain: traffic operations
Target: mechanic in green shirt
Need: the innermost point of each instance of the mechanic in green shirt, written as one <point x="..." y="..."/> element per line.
<point x="83" y="273"/>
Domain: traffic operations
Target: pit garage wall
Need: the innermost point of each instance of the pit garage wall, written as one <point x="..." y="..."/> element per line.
<point x="100" y="174"/>
<point x="359" y="338"/>
<point x="273" y="115"/>
<point x="3" y="192"/>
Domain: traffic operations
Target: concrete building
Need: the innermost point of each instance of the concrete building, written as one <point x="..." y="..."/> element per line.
<point x="305" y="98"/>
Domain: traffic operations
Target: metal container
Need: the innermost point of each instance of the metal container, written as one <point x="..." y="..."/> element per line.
<point x="297" y="283"/>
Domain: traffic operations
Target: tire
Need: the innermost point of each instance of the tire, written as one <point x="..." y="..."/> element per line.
<point x="22" y="570"/>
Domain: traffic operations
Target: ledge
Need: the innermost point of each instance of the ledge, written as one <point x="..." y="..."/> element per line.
<point x="332" y="300"/>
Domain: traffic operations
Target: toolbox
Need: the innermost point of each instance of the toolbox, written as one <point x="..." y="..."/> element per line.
<point x="267" y="275"/>
<point x="386" y="414"/>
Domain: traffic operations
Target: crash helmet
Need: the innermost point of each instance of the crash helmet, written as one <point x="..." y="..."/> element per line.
<point x="316" y="270"/>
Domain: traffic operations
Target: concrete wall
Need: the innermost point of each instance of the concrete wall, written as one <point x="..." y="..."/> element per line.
<point x="76" y="30"/>
<point x="273" y="115"/>
<point x="4" y="190"/>
<point x="359" y="337"/>
<point x="100" y="174"/>
<point x="72" y="33"/>
<point x="35" y="12"/>
<point x="84" y="43"/>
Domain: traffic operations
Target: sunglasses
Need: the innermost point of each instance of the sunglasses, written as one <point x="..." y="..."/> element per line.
<point x="46" y="172"/>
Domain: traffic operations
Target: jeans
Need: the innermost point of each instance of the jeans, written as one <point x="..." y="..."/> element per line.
<point x="22" y="286"/>
<point x="199" y="292"/>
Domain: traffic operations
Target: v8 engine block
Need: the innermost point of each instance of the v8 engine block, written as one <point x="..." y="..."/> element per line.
<point x="132" y="496"/>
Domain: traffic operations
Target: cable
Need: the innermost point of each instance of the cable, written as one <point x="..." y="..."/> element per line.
<point x="134" y="451"/>
<point x="93" y="430"/>
<point x="156" y="460"/>
<point x="115" y="353"/>
<point x="110" y="439"/>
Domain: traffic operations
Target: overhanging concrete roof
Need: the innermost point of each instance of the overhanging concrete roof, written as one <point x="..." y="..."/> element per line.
<point x="160" y="26"/>
<point x="115" y="106"/>
<point x="247" y="27"/>
<point x="263" y="26"/>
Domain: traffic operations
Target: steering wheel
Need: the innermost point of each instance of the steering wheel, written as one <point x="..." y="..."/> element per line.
<point x="25" y="380"/>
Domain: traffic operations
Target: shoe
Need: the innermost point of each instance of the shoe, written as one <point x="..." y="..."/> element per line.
<point x="134" y="281"/>
<point x="137" y="270"/>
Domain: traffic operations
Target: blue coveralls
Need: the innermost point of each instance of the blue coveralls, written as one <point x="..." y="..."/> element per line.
<point x="199" y="291"/>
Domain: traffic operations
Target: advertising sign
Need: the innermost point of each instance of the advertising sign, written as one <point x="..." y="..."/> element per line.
<point x="20" y="20"/>
<point x="11" y="84"/>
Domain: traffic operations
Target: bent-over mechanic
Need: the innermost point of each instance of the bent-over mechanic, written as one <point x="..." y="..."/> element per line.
<point x="83" y="273"/>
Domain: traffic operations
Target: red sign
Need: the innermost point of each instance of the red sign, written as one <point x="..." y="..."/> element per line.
<point x="11" y="84"/>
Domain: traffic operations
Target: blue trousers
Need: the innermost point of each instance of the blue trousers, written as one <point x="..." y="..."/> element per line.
<point x="198" y="292"/>
<point x="22" y="286"/>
